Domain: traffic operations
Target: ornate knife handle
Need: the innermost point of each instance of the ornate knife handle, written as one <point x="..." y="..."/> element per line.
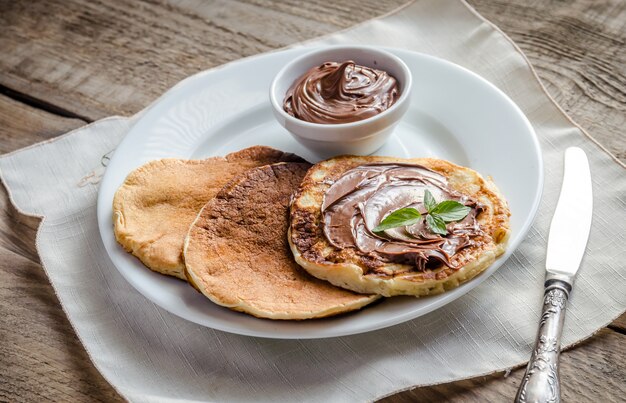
<point x="541" y="380"/>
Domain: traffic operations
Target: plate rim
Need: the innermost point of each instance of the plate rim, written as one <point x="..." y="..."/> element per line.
<point x="442" y="300"/>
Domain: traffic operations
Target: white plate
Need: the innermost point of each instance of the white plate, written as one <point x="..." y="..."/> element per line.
<point x="455" y="115"/>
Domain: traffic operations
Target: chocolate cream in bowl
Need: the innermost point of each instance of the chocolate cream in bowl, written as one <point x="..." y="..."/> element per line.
<point x="340" y="93"/>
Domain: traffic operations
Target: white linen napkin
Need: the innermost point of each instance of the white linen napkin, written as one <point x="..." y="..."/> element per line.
<point x="148" y="354"/>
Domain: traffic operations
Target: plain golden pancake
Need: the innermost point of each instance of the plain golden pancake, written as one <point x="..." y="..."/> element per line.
<point x="236" y="252"/>
<point x="337" y="212"/>
<point x="156" y="204"/>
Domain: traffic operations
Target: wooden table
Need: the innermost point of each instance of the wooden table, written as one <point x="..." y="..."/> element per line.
<point x="65" y="63"/>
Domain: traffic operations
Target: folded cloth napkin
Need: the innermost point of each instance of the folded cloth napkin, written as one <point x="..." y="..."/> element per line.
<point x="148" y="354"/>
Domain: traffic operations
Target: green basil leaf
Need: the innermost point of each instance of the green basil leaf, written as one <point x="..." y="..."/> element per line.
<point x="399" y="218"/>
<point x="429" y="201"/>
<point x="451" y="210"/>
<point x="436" y="224"/>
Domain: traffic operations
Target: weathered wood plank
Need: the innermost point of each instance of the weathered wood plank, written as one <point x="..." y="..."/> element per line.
<point x="589" y="373"/>
<point x="619" y="324"/>
<point x="22" y="125"/>
<point x="578" y="50"/>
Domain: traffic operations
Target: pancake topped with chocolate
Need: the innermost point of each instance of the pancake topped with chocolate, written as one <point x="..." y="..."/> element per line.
<point x="395" y="226"/>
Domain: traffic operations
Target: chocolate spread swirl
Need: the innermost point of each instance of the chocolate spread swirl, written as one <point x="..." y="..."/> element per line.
<point x="340" y="93"/>
<point x="359" y="200"/>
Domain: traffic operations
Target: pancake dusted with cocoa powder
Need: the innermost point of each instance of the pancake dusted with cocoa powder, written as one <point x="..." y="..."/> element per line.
<point x="395" y="226"/>
<point x="156" y="204"/>
<point x="237" y="255"/>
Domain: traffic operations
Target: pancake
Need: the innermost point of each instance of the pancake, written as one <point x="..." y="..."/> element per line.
<point x="236" y="252"/>
<point x="413" y="260"/>
<point x="156" y="204"/>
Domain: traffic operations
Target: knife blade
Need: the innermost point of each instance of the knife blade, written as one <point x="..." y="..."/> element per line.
<point x="567" y="240"/>
<point x="571" y="223"/>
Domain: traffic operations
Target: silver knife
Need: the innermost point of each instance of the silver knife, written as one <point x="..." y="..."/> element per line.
<point x="569" y="232"/>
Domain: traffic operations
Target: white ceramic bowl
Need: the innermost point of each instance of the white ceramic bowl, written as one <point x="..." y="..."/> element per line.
<point x="360" y="138"/>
